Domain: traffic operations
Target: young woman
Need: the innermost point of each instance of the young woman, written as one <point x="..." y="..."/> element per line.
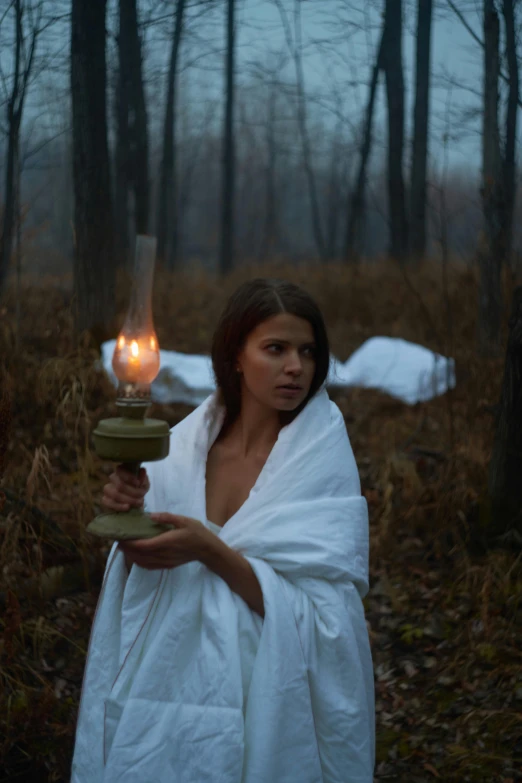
<point x="233" y="647"/>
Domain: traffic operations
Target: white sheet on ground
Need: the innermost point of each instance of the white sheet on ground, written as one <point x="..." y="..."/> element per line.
<point x="184" y="683"/>
<point x="404" y="370"/>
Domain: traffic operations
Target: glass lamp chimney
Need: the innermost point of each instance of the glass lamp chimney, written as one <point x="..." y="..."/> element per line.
<point x="136" y="358"/>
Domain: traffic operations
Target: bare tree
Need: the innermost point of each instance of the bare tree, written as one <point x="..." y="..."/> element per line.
<point x="271" y="228"/>
<point x="505" y="487"/>
<point x="418" y="196"/>
<point x="509" y="162"/>
<point x="294" y="43"/>
<point x="27" y="28"/>
<point x="226" y="256"/>
<point x="498" y="163"/>
<point x="167" y="219"/>
<point x="94" y="267"/>
<point x="132" y="148"/>
<point x="393" y="68"/>
<point x="338" y="175"/>
<point x="514" y="102"/>
<point x="461" y="16"/>
<point x="491" y="250"/>
<point x="268" y="84"/>
<point x="357" y="199"/>
<point x="192" y="153"/>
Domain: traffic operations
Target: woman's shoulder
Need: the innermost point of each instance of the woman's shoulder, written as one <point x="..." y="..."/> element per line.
<point x="195" y="418"/>
<point x="323" y="411"/>
<point x="332" y="442"/>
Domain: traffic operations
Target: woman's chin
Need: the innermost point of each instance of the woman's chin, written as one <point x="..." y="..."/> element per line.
<point x="280" y="400"/>
<point x="288" y="403"/>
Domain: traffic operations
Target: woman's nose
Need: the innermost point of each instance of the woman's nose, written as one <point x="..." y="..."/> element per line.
<point x="294" y="364"/>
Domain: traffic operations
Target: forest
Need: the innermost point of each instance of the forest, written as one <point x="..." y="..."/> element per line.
<point x="368" y="152"/>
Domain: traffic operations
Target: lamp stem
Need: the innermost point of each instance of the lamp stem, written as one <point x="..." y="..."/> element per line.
<point x="132" y="467"/>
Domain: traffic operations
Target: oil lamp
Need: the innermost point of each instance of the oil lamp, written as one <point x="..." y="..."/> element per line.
<point x="132" y="438"/>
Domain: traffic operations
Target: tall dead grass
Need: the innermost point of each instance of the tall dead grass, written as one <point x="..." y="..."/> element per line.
<point x="423" y="468"/>
<point x="53" y="392"/>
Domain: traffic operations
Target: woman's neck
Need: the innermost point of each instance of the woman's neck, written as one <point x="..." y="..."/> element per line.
<point x="256" y="428"/>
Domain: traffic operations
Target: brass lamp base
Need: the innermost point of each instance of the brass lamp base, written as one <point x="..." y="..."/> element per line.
<point x="126" y="525"/>
<point x="129" y="439"/>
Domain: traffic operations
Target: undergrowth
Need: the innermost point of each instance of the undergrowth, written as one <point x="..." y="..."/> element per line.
<point x="443" y="610"/>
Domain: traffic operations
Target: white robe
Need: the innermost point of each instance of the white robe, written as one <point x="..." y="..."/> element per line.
<point x="184" y="683"/>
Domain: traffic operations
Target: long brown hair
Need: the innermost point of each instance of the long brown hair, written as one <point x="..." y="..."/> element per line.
<point x="252" y="303"/>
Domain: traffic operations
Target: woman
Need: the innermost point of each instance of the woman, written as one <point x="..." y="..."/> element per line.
<point x="233" y="647"/>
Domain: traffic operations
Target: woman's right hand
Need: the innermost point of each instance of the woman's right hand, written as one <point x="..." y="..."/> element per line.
<point x="124" y="490"/>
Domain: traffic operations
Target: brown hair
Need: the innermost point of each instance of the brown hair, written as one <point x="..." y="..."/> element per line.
<point x="252" y="303"/>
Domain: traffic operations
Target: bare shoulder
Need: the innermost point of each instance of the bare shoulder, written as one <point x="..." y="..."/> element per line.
<point x="219" y="452"/>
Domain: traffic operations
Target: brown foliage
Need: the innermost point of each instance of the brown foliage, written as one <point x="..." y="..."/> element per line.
<point x="443" y="613"/>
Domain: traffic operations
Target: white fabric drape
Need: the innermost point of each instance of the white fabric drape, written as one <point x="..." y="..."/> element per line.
<point x="185" y="684"/>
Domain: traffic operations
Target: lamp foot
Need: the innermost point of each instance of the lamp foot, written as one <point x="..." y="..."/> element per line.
<point x="125" y="525"/>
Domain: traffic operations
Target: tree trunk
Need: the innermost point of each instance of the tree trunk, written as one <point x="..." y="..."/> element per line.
<point x="15" y="107"/>
<point x="226" y="260"/>
<point x="333" y="197"/>
<point x="188" y="172"/>
<point x="271" y="223"/>
<point x="138" y="124"/>
<point x="418" y="193"/>
<point x="395" y="97"/>
<point x="332" y="202"/>
<point x="13" y="142"/>
<point x="505" y="470"/>
<point x="122" y="154"/>
<point x="357" y="200"/>
<point x="302" y="121"/>
<point x="491" y="250"/>
<point x="94" y="267"/>
<point x="167" y="215"/>
<point x="509" y="162"/>
<point x="132" y="148"/>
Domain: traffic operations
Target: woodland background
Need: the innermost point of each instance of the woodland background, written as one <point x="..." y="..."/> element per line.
<point x="350" y="149"/>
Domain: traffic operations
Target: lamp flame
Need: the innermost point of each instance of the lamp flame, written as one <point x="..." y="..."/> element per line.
<point x="135" y="360"/>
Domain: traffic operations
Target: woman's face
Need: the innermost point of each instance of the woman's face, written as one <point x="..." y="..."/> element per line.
<point x="277" y="362"/>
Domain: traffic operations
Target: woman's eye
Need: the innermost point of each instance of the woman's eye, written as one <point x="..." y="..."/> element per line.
<point x="309" y="351"/>
<point x="274" y="347"/>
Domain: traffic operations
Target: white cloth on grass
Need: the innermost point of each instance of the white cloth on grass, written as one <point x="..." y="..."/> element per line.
<point x="404" y="370"/>
<point x="184" y="683"/>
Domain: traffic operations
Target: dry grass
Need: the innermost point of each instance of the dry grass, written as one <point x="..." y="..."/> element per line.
<point x="444" y="613"/>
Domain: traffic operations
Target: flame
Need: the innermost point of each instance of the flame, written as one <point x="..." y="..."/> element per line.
<point x="136" y="358"/>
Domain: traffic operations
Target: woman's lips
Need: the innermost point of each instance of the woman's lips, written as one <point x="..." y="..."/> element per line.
<point x="290" y="390"/>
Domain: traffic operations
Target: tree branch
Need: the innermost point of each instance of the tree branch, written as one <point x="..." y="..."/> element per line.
<point x="458" y="13"/>
<point x="465" y="22"/>
<point x="11" y="4"/>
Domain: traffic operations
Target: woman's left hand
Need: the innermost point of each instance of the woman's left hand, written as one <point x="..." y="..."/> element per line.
<point x="190" y="541"/>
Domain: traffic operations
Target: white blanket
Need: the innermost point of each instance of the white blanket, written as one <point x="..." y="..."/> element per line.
<point x="184" y="683"/>
<point x="407" y="371"/>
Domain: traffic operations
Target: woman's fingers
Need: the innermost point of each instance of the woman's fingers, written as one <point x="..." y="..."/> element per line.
<point x="113" y="505"/>
<point x="125" y="485"/>
<point x="139" y="479"/>
<point x="125" y="490"/>
<point x="119" y="501"/>
<point x="143" y="479"/>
